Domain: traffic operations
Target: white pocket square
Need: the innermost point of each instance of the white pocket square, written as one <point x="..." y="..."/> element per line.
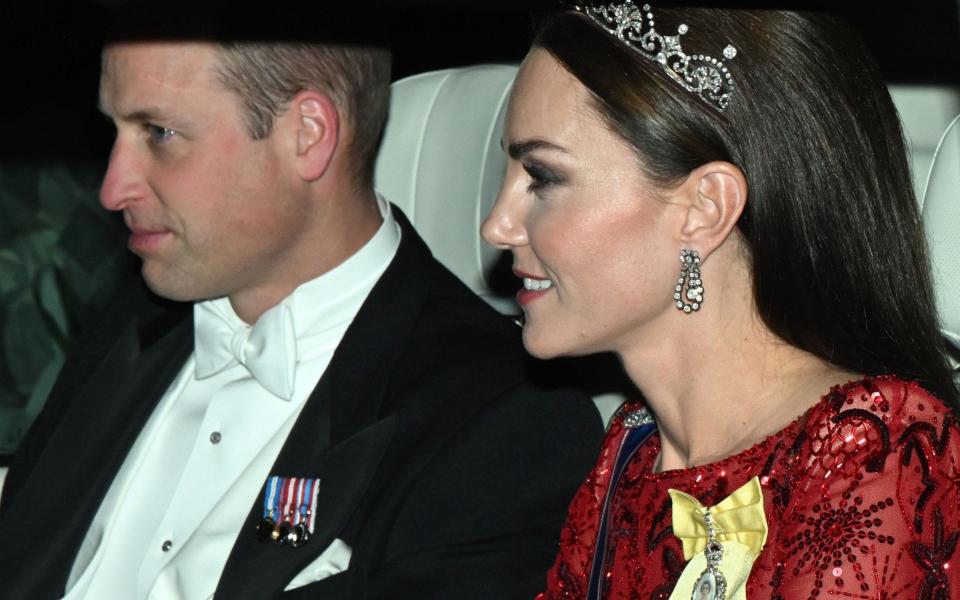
<point x="335" y="559"/>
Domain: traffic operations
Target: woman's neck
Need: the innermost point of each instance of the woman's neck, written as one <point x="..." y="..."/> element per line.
<point x="724" y="385"/>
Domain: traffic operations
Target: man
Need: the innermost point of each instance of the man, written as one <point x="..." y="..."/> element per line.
<point x="372" y="435"/>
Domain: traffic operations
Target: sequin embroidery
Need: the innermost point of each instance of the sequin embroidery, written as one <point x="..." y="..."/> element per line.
<point x="862" y="498"/>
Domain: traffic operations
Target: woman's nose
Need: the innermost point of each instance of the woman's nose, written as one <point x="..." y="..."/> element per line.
<point x="504" y="227"/>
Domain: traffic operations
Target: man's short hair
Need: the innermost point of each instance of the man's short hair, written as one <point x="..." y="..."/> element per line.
<point x="267" y="75"/>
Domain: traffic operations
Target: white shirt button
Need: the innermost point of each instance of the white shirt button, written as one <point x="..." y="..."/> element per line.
<point x="166" y="546"/>
<point x="215" y="437"/>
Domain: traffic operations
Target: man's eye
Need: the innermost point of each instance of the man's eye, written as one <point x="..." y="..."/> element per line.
<point x="158" y="134"/>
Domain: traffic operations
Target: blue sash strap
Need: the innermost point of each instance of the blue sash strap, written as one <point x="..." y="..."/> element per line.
<point x="628" y="447"/>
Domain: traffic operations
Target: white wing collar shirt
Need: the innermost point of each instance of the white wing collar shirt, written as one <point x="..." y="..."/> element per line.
<point x="171" y="516"/>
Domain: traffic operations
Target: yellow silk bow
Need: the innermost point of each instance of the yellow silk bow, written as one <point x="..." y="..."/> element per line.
<point x="738" y="518"/>
<point x="740" y="528"/>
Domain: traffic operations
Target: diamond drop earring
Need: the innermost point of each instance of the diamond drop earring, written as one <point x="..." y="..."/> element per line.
<point x="689" y="286"/>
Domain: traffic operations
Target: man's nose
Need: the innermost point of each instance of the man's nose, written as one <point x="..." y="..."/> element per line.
<point x="123" y="182"/>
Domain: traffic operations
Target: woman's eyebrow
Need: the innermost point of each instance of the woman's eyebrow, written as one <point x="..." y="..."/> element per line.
<point x="518" y="150"/>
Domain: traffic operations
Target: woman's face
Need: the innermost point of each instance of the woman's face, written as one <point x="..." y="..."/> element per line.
<point x="590" y="237"/>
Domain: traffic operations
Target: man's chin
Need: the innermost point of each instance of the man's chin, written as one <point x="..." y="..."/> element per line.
<point x="168" y="285"/>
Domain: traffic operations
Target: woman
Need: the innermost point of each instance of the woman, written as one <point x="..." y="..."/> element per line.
<point x="804" y="442"/>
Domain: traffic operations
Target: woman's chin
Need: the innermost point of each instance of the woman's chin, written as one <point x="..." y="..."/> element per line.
<point x="546" y="344"/>
<point x="537" y="346"/>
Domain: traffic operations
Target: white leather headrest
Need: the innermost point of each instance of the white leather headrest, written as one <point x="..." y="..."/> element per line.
<point x="924" y="111"/>
<point x="441" y="162"/>
<point x="941" y="221"/>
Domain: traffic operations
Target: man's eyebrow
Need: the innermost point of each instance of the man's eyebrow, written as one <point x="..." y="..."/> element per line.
<point x="146" y="115"/>
<point x="518" y="150"/>
<point x="143" y="115"/>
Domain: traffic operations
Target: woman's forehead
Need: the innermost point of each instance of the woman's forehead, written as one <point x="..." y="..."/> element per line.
<point x="547" y="99"/>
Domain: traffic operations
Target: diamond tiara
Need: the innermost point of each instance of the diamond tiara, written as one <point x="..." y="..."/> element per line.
<point x="698" y="73"/>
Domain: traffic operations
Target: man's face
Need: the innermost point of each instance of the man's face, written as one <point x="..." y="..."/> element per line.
<point x="211" y="211"/>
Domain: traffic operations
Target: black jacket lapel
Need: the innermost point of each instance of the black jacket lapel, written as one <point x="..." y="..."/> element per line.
<point x="94" y="436"/>
<point x="345" y="473"/>
<point x="342" y="432"/>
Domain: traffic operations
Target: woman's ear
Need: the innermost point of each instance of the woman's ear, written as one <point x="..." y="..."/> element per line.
<point x="314" y="117"/>
<point x="715" y="195"/>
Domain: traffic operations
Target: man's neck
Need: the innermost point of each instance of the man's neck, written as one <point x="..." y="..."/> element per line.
<point x="357" y="218"/>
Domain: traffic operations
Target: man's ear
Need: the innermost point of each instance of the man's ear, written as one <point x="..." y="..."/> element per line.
<point x="715" y="195"/>
<point x="316" y="121"/>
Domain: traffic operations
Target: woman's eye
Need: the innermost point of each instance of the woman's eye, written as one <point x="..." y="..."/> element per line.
<point x="158" y="134"/>
<point x="540" y="177"/>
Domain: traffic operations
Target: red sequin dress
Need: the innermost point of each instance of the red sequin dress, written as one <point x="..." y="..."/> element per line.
<point x="861" y="494"/>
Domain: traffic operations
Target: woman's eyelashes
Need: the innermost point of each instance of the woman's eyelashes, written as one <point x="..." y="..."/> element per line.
<point x="541" y="177"/>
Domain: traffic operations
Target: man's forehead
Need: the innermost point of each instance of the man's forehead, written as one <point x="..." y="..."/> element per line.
<point x="137" y="70"/>
<point x="163" y="54"/>
<point x="173" y="61"/>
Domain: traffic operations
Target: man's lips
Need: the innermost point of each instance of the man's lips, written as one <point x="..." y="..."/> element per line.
<point x="146" y="239"/>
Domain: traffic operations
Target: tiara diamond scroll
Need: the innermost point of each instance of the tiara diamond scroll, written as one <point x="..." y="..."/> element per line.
<point x="689" y="286"/>
<point x="700" y="74"/>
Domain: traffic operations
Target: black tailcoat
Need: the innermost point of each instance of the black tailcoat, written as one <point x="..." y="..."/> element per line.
<point x="443" y="467"/>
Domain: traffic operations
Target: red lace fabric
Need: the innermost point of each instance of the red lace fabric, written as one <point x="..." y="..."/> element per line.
<point x="862" y="497"/>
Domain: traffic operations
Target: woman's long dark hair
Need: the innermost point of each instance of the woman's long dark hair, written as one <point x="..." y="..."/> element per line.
<point x="840" y="264"/>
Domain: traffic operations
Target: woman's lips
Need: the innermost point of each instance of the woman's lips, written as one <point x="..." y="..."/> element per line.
<point x="525" y="297"/>
<point x="533" y="287"/>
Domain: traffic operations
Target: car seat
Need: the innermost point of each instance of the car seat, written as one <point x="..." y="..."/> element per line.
<point x="442" y="164"/>
<point x="941" y="221"/>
